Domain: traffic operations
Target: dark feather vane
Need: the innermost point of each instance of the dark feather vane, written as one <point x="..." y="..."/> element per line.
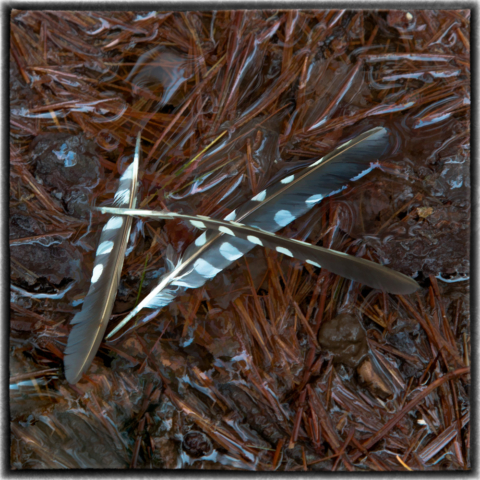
<point x="89" y="325"/>
<point x="357" y="269"/>
<point x="270" y="210"/>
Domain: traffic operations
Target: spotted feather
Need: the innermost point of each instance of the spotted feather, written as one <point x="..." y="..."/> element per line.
<point x="90" y="323"/>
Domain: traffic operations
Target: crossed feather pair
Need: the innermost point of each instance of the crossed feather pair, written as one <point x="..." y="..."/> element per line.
<point x="254" y="223"/>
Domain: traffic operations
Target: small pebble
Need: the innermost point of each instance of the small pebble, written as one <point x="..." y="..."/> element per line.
<point x="196" y="444"/>
<point x="424" y="212"/>
<point x="345" y="338"/>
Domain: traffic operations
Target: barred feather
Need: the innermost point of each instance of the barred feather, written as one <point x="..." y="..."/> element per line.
<point x="272" y="209"/>
<point x="89" y="325"/>
<point x="339" y="263"/>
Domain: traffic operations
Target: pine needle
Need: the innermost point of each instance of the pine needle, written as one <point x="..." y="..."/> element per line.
<point x="404" y="464"/>
<point x="142" y="279"/>
<point x="181" y="169"/>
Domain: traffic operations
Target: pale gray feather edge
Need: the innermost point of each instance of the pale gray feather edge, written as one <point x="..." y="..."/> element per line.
<point x="357" y="269"/>
<point x="90" y="323"/>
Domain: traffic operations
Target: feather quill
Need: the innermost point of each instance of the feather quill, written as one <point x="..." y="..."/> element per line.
<point x="348" y="266"/>
<point x="271" y="209"/>
<point x="90" y="323"/>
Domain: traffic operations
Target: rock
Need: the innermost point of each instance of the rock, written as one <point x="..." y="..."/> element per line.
<point x="54" y="259"/>
<point x="345" y="338"/>
<point x="55" y="263"/>
<point x="64" y="162"/>
<point x="424" y="212"/>
<point x="78" y="204"/>
<point x="196" y="444"/>
<point x="372" y="380"/>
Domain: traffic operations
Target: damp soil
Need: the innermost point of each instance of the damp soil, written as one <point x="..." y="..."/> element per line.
<point x="273" y="365"/>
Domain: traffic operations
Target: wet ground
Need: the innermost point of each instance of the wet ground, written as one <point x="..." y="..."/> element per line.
<point x="273" y="364"/>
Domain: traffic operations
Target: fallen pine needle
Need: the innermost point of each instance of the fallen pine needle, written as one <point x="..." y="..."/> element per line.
<point x="404" y="464"/>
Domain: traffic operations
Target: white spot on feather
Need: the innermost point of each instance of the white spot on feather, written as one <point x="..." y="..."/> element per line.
<point x="230" y="252"/>
<point x="231" y="216"/>
<point x="285" y="251"/>
<point x="255" y="240"/>
<point x="287" y="179"/>
<point x="105" y="247"/>
<point x="97" y="271"/>
<point x="197" y="223"/>
<point x="226" y="230"/>
<point x="314" y="199"/>
<point x="128" y="173"/>
<point x="114" y="223"/>
<point x="201" y="240"/>
<point x="205" y="269"/>
<point x="315" y="264"/>
<point x="260" y="197"/>
<point x="122" y="196"/>
<point x="316" y="163"/>
<point x="283" y="217"/>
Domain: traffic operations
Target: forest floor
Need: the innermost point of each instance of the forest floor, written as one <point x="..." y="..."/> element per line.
<point x="245" y="372"/>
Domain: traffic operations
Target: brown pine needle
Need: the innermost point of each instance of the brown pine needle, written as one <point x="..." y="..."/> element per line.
<point x="142" y="279"/>
<point x="404" y="464"/>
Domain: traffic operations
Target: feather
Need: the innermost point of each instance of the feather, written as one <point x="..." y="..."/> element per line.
<point x="356" y="269"/>
<point x="270" y="210"/>
<point x="89" y="325"/>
